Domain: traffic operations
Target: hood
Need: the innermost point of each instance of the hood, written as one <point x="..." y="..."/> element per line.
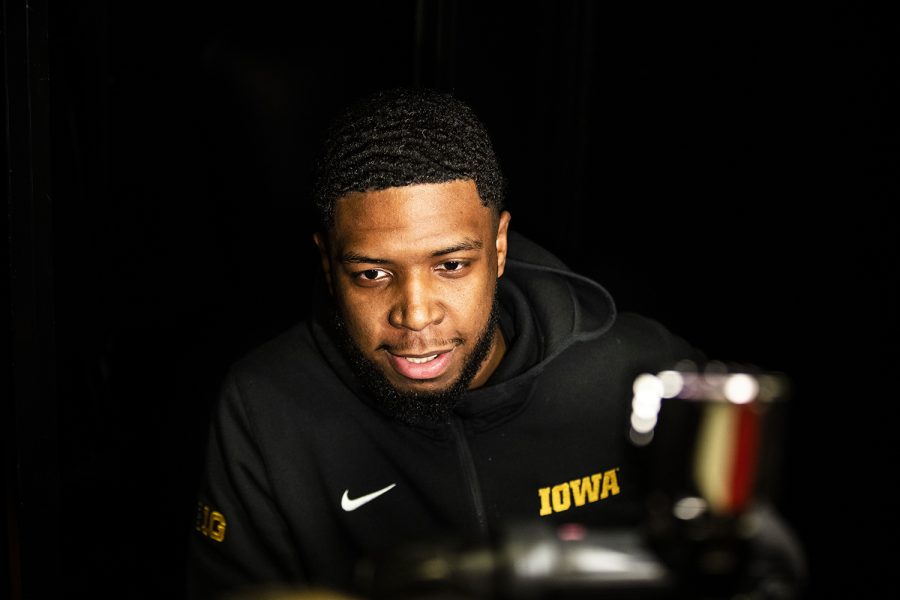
<point x="550" y="308"/>
<point x="564" y="307"/>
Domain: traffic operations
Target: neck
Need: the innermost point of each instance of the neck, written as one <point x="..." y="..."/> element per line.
<point x="494" y="357"/>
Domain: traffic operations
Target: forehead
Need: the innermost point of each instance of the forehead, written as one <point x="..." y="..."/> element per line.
<point x="424" y="217"/>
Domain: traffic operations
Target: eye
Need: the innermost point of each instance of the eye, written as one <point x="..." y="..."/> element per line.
<point x="453" y="267"/>
<point x="370" y="275"/>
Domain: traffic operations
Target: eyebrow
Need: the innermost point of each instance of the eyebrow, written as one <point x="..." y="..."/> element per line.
<point x="467" y="244"/>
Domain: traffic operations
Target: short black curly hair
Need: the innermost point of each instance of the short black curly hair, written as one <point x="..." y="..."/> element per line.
<point x="405" y="136"/>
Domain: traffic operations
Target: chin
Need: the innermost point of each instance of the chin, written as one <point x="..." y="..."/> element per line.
<point x="425" y="386"/>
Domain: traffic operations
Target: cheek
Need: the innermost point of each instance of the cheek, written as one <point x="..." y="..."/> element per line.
<point x="363" y="316"/>
<point x="473" y="305"/>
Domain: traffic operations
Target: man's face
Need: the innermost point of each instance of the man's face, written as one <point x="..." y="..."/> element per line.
<point x="413" y="271"/>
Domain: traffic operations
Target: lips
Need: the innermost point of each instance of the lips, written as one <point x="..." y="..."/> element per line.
<point x="426" y="366"/>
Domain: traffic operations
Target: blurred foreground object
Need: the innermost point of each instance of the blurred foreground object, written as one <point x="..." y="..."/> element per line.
<point x="280" y="592"/>
<point x="708" y="444"/>
<point x="711" y="443"/>
<point x="750" y="560"/>
<point x="722" y="437"/>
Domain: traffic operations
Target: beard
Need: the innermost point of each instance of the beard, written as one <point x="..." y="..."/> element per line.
<point x="416" y="407"/>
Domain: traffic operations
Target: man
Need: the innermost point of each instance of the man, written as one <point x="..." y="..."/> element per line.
<point x="454" y="378"/>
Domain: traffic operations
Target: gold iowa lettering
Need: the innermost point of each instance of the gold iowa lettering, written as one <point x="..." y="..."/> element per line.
<point x="210" y="523"/>
<point x="561" y="497"/>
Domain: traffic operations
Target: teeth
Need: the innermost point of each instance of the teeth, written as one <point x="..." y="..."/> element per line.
<point x="419" y="361"/>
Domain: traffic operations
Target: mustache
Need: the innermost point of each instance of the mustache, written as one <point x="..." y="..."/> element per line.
<point x="412" y="344"/>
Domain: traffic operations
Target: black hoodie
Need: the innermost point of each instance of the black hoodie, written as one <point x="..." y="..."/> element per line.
<point x="295" y="448"/>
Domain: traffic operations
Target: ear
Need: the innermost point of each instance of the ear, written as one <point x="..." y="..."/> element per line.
<point x="502" y="228"/>
<point x="322" y="243"/>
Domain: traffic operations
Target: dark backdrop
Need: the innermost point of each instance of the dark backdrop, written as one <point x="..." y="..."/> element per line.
<point x="728" y="171"/>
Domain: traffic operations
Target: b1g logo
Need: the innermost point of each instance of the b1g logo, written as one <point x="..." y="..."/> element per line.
<point x="578" y="491"/>
<point x="210" y="523"/>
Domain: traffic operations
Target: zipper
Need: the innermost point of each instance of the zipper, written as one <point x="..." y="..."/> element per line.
<point x="471" y="477"/>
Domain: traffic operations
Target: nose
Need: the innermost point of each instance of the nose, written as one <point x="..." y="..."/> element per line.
<point x="416" y="306"/>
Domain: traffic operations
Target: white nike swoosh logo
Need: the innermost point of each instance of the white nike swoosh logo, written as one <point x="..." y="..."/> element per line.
<point x="348" y="505"/>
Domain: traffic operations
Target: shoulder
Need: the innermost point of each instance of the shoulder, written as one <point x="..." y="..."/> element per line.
<point x="634" y="344"/>
<point x="286" y="389"/>
<point x="286" y="366"/>
<point x="640" y="329"/>
<point x="646" y="341"/>
<point x="278" y="354"/>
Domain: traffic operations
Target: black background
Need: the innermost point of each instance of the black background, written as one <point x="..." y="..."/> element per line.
<point x="730" y="171"/>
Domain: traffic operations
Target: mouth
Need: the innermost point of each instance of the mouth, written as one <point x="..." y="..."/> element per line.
<point x="422" y="366"/>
